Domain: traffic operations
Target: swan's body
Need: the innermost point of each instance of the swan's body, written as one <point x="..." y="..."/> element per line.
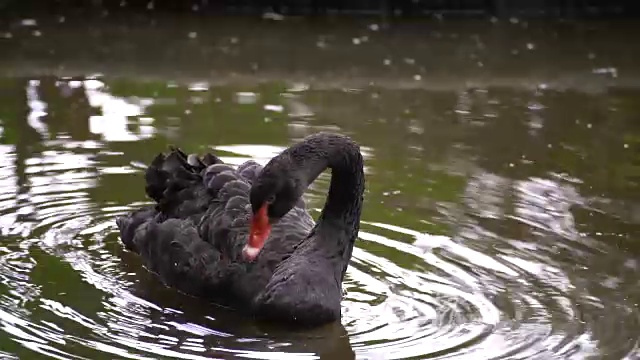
<point x="196" y="235"/>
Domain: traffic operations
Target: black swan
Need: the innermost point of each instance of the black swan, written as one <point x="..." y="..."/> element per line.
<point x="243" y="236"/>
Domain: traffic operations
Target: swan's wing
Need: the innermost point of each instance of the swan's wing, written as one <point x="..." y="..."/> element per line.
<point x="250" y="170"/>
<point x="189" y="191"/>
<point x="174" y="181"/>
<point x="174" y="250"/>
<point x="201" y="221"/>
<point x="226" y="222"/>
<point x="211" y="195"/>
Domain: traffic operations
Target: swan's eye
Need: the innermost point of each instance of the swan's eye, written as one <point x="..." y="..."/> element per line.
<point x="271" y="199"/>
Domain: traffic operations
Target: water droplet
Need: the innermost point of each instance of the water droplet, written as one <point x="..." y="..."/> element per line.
<point x="631" y="263"/>
<point x="512" y="165"/>
<point x="193" y="35"/>
<point x="416" y="128"/>
<point x="591" y="56"/>
<point x="61" y="19"/>
<point x="246" y="98"/>
<point x="298" y="87"/>
<point x="29" y="22"/>
<point x="514" y="20"/>
<point x="146" y="120"/>
<point x="534" y="105"/>
<point x="387" y="61"/>
<point x="150" y="5"/>
<point x="199" y="86"/>
<point x="270" y="15"/>
<point x="409" y="61"/>
<point x="515" y="52"/>
<point x="92" y="84"/>
<point x="589" y="126"/>
<point x="374" y="27"/>
<point x="37" y="33"/>
<point x="234" y="40"/>
<point x="604" y="71"/>
<point x="275" y="108"/>
<point x="417" y="77"/>
<point x="356" y="41"/>
<point x="6" y="35"/>
<point x="531" y="46"/>
<point x="480" y="64"/>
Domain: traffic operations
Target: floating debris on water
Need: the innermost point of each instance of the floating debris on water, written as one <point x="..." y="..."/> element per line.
<point x="199" y="86"/>
<point x="246" y="97"/>
<point x="270" y="15"/>
<point x="29" y="22"/>
<point x="274" y="108"/>
<point x="606" y="71"/>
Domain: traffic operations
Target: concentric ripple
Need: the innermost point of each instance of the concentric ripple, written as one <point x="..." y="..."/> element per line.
<point x="68" y="289"/>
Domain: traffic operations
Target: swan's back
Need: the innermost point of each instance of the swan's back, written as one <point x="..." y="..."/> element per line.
<point x="193" y="236"/>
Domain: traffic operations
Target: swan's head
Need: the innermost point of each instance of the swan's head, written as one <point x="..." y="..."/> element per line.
<point x="273" y="194"/>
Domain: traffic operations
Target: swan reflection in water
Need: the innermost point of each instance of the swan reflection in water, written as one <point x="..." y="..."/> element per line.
<point x="206" y="330"/>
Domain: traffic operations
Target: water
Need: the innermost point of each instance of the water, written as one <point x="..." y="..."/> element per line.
<point x="501" y="215"/>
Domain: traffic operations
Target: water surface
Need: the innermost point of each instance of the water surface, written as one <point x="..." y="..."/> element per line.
<point x="502" y="209"/>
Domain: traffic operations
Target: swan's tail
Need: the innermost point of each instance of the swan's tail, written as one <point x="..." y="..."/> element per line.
<point x="173" y="171"/>
<point x="174" y="181"/>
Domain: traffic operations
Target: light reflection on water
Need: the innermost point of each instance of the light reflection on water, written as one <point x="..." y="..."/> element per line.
<point x="506" y="268"/>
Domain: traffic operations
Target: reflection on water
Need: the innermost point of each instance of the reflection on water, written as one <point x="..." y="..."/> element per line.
<point x="500" y="222"/>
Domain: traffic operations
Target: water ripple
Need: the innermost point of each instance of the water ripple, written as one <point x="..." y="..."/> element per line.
<point x="468" y="304"/>
<point x="511" y="279"/>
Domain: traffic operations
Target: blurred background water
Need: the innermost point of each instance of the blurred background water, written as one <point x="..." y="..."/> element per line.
<point x="502" y="213"/>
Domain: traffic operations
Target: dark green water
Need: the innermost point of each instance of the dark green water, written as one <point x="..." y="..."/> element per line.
<point x="502" y="212"/>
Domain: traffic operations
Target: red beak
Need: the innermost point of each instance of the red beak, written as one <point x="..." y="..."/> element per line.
<point x="258" y="234"/>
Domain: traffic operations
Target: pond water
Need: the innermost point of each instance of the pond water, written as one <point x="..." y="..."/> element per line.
<point x="502" y="209"/>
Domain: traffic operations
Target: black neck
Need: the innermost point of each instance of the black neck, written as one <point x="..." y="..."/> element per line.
<point x="339" y="222"/>
<point x="344" y="201"/>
